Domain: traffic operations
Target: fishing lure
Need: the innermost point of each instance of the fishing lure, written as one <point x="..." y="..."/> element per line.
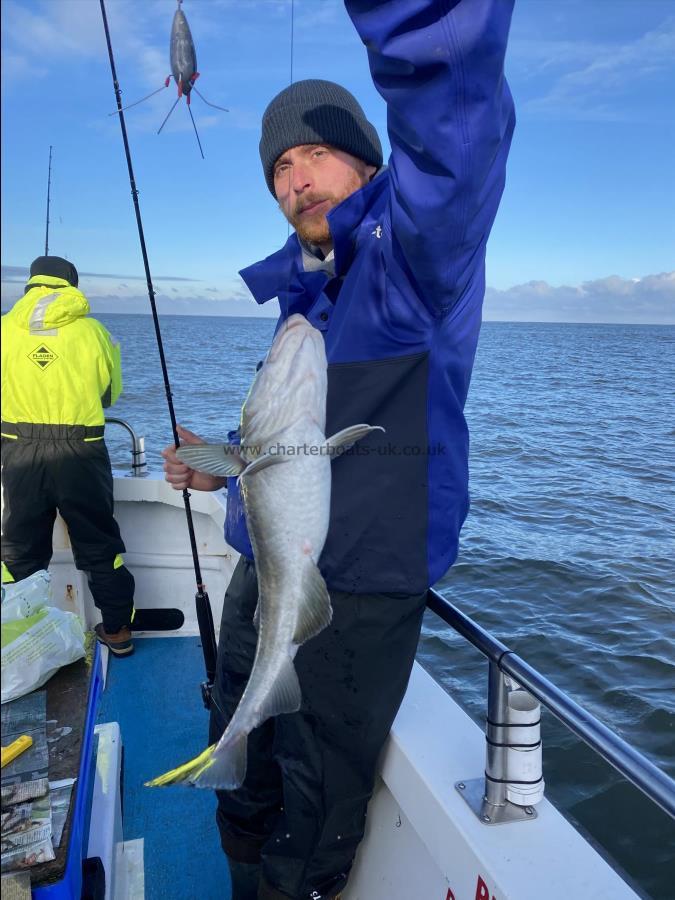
<point x="183" y="59"/>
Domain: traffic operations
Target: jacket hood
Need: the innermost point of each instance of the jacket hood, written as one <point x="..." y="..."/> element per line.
<point x="51" y="303"/>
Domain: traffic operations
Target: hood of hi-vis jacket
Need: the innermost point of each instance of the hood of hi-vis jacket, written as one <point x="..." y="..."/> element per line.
<point x="59" y="367"/>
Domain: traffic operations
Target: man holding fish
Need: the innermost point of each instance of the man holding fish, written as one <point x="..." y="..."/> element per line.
<point x="350" y="485"/>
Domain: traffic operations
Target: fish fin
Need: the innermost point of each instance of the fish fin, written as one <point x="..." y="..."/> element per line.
<point x="226" y="769"/>
<point x="315" y="611"/>
<point x="182" y="774"/>
<point x="349" y="436"/>
<point x="213" y="458"/>
<point x="285" y="695"/>
<point x="262" y="462"/>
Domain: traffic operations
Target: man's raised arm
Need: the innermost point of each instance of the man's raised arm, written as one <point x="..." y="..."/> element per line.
<point x="440" y="67"/>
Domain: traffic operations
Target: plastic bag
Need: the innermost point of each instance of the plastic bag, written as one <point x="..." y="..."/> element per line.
<point x="37" y="638"/>
<point x="21" y="599"/>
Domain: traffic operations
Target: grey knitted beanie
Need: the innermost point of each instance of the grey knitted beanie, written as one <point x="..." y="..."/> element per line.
<point x="316" y="112"/>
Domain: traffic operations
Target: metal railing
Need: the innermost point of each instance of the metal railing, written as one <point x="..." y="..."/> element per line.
<point x="139" y="466"/>
<point x="647" y="777"/>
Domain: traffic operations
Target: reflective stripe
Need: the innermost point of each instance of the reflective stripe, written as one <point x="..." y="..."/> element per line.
<point x="133" y="615"/>
<point x="118" y="561"/>
<point x="46" y="431"/>
<point x="37" y="319"/>
<point x="11" y="437"/>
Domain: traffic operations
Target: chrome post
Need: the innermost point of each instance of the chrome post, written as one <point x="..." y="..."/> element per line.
<point x="487" y="796"/>
<point x="139" y="466"/>
<point x="496" y="734"/>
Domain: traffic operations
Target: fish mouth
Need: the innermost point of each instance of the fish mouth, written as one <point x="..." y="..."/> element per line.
<point x="294" y="324"/>
<point x="294" y="321"/>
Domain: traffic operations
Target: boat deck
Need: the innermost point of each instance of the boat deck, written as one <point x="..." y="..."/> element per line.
<point x="155" y="697"/>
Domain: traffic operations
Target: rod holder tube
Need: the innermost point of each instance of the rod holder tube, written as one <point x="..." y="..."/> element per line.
<point x="523" y="756"/>
<point x="513" y="769"/>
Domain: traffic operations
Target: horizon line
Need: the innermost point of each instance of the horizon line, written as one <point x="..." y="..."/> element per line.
<point x="274" y="318"/>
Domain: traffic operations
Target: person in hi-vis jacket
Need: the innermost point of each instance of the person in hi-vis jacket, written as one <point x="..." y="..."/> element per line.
<point x="60" y="368"/>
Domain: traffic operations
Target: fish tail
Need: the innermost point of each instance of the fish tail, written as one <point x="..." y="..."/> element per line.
<point x="225" y="770"/>
<point x="184" y="773"/>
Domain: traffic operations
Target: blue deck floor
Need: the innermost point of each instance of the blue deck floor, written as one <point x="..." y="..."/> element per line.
<point x="155" y="697"/>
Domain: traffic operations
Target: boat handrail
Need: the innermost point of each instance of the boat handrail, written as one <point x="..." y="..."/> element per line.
<point x="139" y="466"/>
<point x="636" y="768"/>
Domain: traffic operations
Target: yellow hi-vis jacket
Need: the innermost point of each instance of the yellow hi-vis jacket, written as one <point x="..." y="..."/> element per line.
<point x="58" y="367"/>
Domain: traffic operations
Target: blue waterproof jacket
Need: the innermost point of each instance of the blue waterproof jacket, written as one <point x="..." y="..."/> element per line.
<point x="402" y="329"/>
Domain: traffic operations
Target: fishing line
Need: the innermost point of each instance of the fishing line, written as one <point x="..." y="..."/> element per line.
<point x="192" y="119"/>
<point x="176" y="102"/>
<point x="142" y="100"/>
<point x="290" y="84"/>
<point x="292" y="36"/>
<point x="203" y="605"/>
<point x="208" y="102"/>
<point x="49" y="188"/>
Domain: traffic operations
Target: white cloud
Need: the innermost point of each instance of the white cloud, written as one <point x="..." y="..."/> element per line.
<point x="70" y="27"/>
<point x="641" y="300"/>
<point x="596" y="78"/>
<point x="647" y="300"/>
<point x="61" y="30"/>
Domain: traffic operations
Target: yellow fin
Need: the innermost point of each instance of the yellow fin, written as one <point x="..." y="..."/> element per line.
<point x="185" y="772"/>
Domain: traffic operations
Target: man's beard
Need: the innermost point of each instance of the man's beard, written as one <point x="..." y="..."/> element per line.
<point x="313" y="228"/>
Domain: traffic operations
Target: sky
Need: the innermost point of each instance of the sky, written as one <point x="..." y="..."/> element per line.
<point x="586" y="227"/>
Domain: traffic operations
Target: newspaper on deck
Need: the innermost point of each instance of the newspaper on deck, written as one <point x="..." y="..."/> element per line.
<point x="23" y="792"/>
<point x="26" y="807"/>
<point x="26" y="834"/>
<point x="15" y="886"/>
<point x="28" y="827"/>
<point x="27" y="715"/>
<point x="32" y="855"/>
<point x="60" y="793"/>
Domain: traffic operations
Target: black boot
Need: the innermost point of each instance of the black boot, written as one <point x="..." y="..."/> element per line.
<point x="245" y="878"/>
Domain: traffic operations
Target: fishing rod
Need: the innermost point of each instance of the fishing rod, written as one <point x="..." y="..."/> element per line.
<point x="202" y="602"/>
<point x="49" y="185"/>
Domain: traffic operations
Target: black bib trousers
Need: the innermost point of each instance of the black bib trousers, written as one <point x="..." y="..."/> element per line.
<point x="301" y="810"/>
<point x="49" y="468"/>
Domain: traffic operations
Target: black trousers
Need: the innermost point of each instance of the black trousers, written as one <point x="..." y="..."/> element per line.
<point x="42" y="475"/>
<point x="302" y="807"/>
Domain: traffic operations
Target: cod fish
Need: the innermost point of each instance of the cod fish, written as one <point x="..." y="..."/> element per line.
<point x="283" y="466"/>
